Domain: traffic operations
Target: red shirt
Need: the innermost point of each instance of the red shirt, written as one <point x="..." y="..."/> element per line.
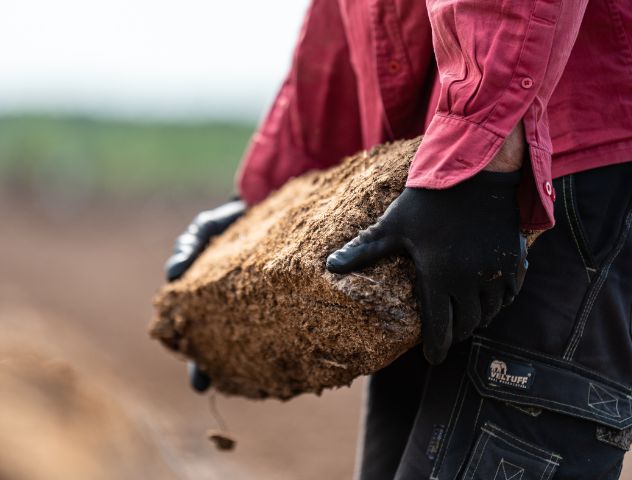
<point x="464" y="72"/>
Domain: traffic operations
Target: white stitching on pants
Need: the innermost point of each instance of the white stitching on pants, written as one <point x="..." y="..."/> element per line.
<point x="550" y="459"/>
<point x="603" y="274"/>
<point x="489" y="344"/>
<point x="542" y="401"/>
<point x="451" y="427"/>
<point x="480" y="456"/>
<point x="571" y="226"/>
<point x="480" y="407"/>
<point x="603" y="405"/>
<point x="579" y="329"/>
<point x="544" y="472"/>
<point x="580" y="230"/>
<point x="550" y="464"/>
<point x="521" y="442"/>
<point x="516" y="475"/>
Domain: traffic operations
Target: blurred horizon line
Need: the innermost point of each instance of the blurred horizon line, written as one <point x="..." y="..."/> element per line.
<point x="134" y="115"/>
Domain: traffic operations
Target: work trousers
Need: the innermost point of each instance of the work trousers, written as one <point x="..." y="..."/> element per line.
<point x="544" y="392"/>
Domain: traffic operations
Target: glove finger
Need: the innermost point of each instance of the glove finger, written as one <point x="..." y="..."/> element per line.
<point x="466" y="316"/>
<point x="363" y="251"/>
<point x="176" y="265"/>
<point x="491" y="299"/>
<point x="436" y="321"/>
<point x="199" y="381"/>
<point x="204" y="226"/>
<point x="187" y="248"/>
<point x="213" y="222"/>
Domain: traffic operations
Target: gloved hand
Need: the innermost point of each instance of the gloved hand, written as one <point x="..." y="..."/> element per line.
<point x="188" y="247"/>
<point x="465" y="242"/>
<point x="193" y="241"/>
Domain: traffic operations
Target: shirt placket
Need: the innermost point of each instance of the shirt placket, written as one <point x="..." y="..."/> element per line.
<point x="394" y="71"/>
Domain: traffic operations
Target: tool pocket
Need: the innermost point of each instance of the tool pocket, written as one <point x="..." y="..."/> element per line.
<point x="498" y="455"/>
<point x="526" y="378"/>
<point x="522" y="415"/>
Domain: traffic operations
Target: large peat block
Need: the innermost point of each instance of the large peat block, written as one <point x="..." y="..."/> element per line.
<point x="259" y="312"/>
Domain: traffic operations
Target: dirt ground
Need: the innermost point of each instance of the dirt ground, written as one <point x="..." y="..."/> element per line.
<point x="75" y="296"/>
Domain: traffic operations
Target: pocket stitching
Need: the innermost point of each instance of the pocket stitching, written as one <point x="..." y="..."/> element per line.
<point x="541" y="401"/>
<point x="491" y="430"/>
<point x="480" y="455"/>
<point x="581" y="232"/>
<point x="478" y="413"/>
<point x="523" y="442"/>
<point x="571" y="223"/>
<point x="450" y="428"/>
<point x="542" y="477"/>
<point x="575" y="368"/>
<point x="603" y="274"/>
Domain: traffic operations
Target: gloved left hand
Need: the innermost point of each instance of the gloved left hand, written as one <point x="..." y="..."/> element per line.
<point x="193" y="241"/>
<point x="465" y="242"/>
<point x="188" y="247"/>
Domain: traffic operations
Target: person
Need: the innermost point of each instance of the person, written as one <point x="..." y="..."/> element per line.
<point x="518" y="102"/>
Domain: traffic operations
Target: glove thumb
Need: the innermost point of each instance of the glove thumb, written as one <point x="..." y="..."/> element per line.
<point x="363" y="251"/>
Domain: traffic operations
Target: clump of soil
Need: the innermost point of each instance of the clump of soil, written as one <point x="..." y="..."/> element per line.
<point x="259" y="312"/>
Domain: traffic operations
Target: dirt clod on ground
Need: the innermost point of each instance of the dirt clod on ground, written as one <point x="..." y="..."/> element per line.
<point x="259" y="312"/>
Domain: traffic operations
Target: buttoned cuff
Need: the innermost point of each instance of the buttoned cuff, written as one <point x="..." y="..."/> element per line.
<point x="452" y="150"/>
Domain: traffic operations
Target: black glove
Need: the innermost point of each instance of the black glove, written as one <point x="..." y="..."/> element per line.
<point x="199" y="381"/>
<point x="465" y="242"/>
<point x="193" y="241"/>
<point x="188" y="247"/>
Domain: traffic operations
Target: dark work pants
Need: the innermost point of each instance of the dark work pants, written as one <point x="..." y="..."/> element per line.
<point x="545" y="392"/>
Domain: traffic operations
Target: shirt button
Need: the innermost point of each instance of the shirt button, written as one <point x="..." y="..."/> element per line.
<point x="526" y="82"/>
<point x="549" y="188"/>
<point x="394" y="66"/>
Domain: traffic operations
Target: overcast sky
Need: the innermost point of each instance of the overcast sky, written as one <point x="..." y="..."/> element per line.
<point x="206" y="58"/>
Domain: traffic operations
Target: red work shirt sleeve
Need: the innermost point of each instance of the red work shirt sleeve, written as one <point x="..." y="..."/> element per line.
<point x="498" y="62"/>
<point x="315" y="120"/>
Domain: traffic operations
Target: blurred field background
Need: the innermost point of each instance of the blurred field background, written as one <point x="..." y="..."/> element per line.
<point x="119" y="121"/>
<point x="89" y="210"/>
<point x="100" y="157"/>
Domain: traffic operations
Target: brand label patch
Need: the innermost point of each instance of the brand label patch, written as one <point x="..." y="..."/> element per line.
<point x="510" y="374"/>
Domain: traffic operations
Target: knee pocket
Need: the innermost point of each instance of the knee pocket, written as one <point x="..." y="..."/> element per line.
<point x="499" y="455"/>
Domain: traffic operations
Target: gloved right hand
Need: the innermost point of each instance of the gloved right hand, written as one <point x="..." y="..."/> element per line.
<point x="465" y="242"/>
<point x="188" y="246"/>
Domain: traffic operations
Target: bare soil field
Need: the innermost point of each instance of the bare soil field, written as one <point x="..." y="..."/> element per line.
<point x="82" y="387"/>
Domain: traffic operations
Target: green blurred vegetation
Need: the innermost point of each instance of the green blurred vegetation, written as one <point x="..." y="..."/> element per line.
<point x="118" y="157"/>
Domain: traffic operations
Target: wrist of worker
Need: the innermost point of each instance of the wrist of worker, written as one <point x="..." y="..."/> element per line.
<point x="511" y="155"/>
